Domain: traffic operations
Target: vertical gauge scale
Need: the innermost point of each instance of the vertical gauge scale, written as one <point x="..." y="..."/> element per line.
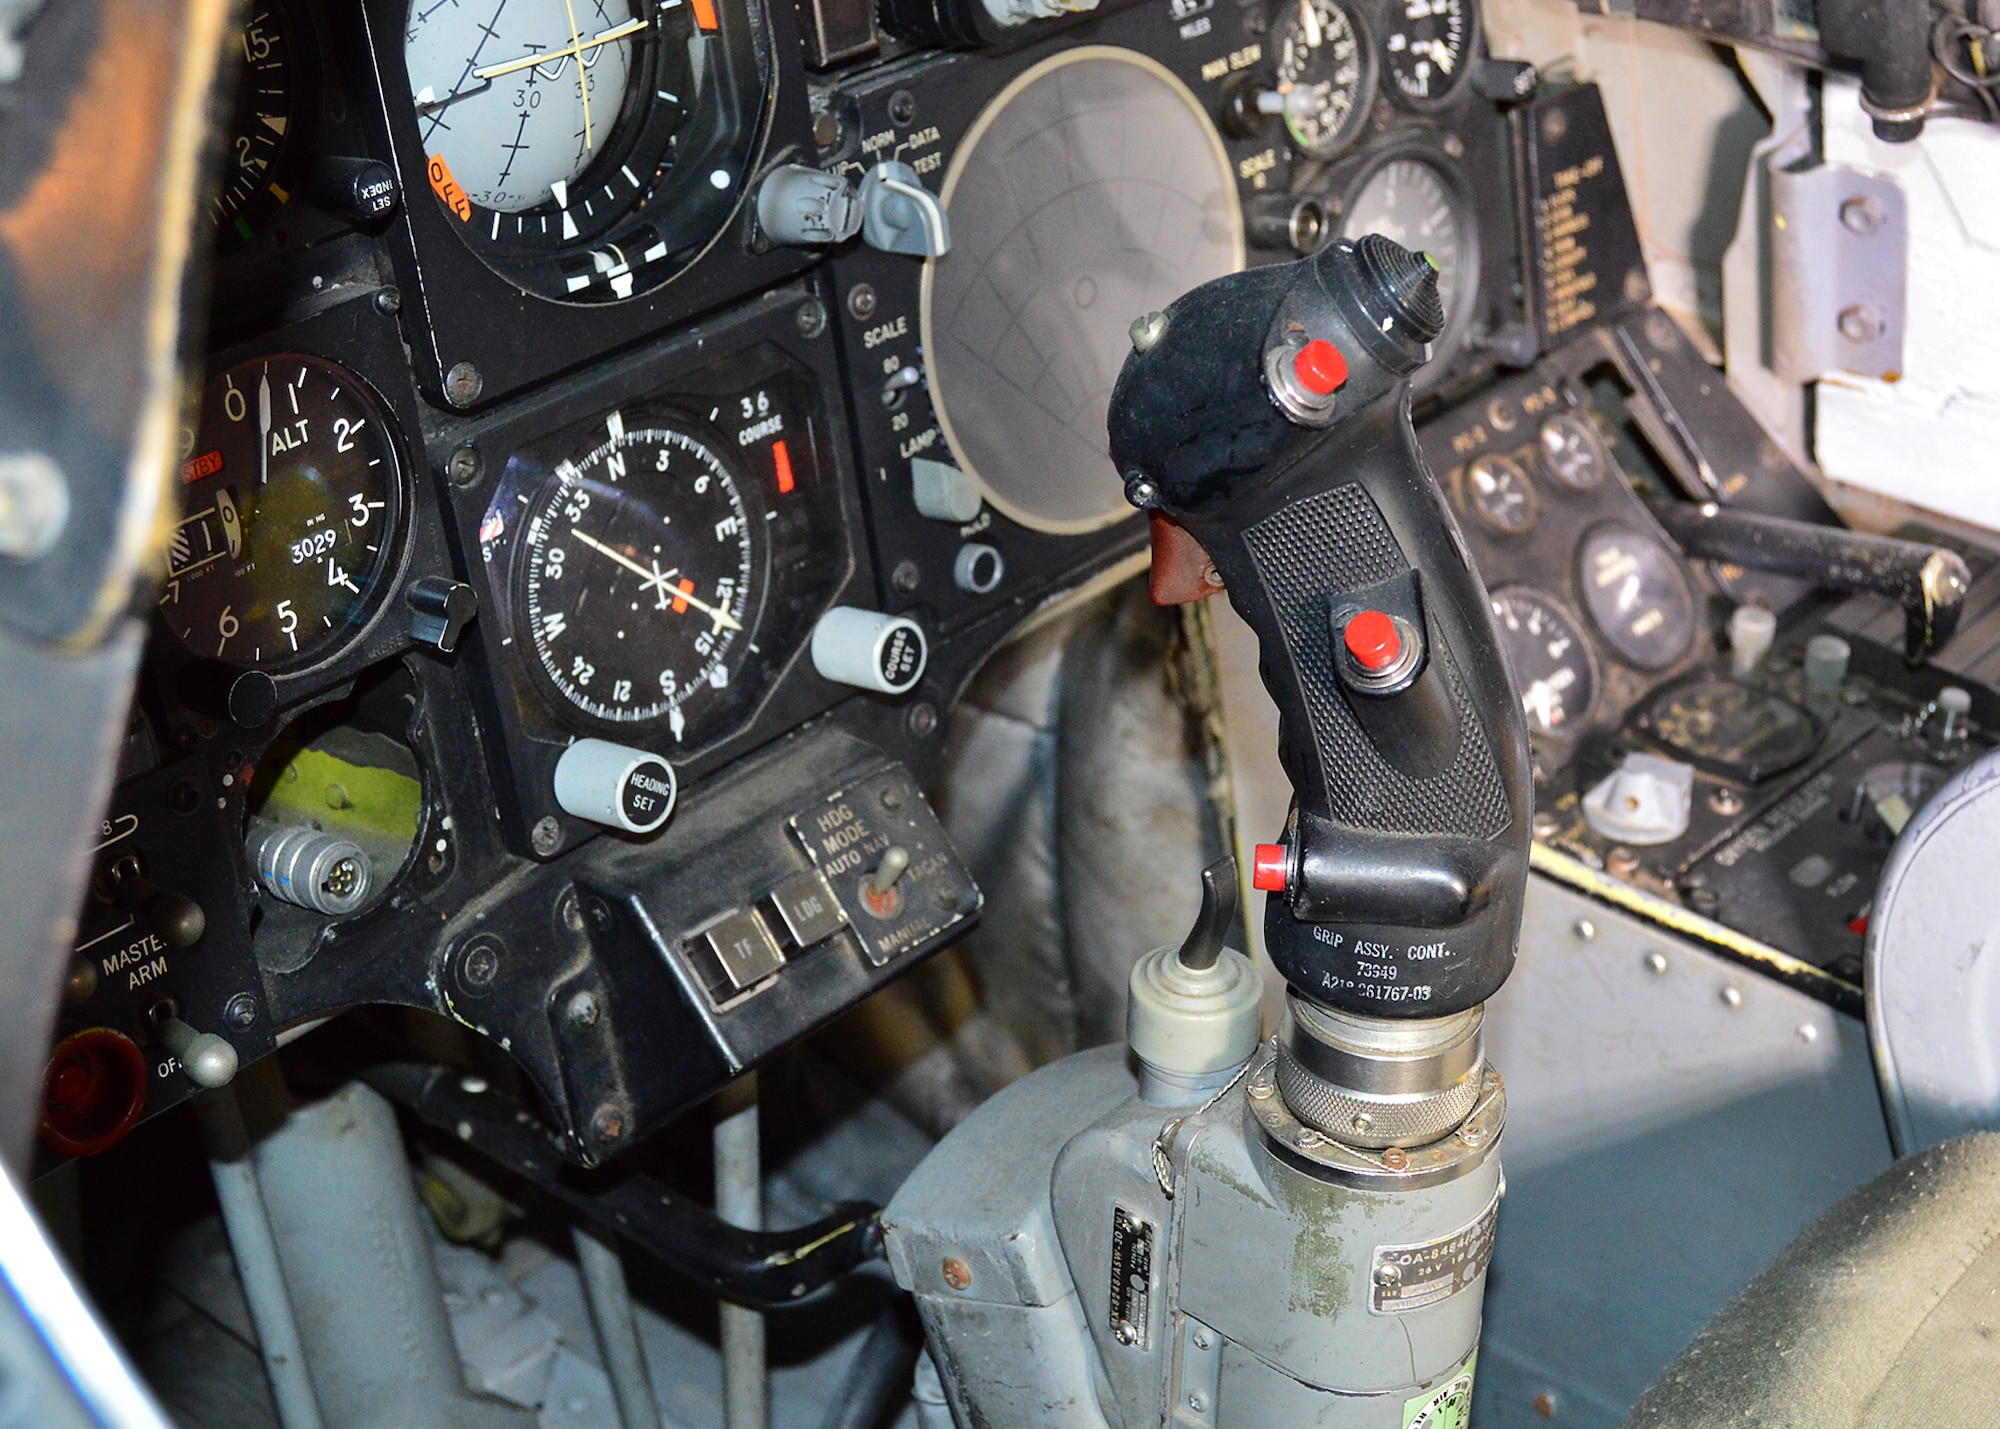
<point x="1418" y="197"/>
<point x="277" y="88"/>
<point x="640" y="579"/>
<point x="292" y="498"/>
<point x="1547" y="657"/>
<point x="1427" y="46"/>
<point x="586" y="149"/>
<point x="1325" y="73"/>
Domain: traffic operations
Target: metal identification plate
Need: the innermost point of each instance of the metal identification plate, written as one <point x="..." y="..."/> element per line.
<point x="1409" y="1277"/>
<point x="1131" y="1277"/>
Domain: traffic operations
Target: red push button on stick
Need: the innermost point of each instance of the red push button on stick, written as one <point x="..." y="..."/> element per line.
<point x="1320" y="367"/>
<point x="1373" y="642"/>
<point x="1267" y="868"/>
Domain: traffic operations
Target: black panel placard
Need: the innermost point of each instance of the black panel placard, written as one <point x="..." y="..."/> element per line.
<point x="1585" y="264"/>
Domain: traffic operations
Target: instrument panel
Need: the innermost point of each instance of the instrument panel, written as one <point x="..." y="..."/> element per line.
<point x="578" y="556"/>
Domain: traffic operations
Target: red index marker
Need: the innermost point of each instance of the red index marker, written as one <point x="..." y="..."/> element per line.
<point x="1373" y="641"/>
<point x="1320" y="367"/>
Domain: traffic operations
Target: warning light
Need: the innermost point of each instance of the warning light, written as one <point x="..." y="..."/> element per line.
<point x="704" y="14"/>
<point x="685" y="587"/>
<point x="783" y="459"/>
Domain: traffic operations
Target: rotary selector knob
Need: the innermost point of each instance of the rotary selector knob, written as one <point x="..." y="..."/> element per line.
<point x="869" y="650"/>
<point x="615" y="785"/>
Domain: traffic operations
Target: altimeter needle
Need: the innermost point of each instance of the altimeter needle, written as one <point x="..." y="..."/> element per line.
<point x="721" y="617"/>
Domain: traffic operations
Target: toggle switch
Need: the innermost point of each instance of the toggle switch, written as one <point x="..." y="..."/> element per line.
<point x="208" y="1060"/>
<point x="440" y="610"/>
<point x="878" y="888"/>
<point x="807" y="207"/>
<point x="869" y="650"/>
<point x="900" y="215"/>
<point x="176" y="918"/>
<point x="943" y="492"/>
<point x="615" y="785"/>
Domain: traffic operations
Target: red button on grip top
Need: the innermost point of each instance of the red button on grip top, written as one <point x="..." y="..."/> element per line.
<point x="1267" y="868"/>
<point x="1320" y="367"/>
<point x="1373" y="642"/>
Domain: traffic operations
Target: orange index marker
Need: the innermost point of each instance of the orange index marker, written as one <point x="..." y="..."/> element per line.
<point x="685" y="587"/>
<point x="704" y="14"/>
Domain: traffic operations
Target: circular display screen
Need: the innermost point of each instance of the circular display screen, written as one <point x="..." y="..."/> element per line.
<point x="1091" y="191"/>
<point x="1637" y="594"/>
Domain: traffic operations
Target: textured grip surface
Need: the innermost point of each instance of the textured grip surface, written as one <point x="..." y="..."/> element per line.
<point x="1337" y="541"/>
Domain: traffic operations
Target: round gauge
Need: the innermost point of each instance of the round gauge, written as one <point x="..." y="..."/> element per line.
<point x="640" y="578"/>
<point x="1427" y="47"/>
<point x="1638" y="595"/>
<point x="1063" y="227"/>
<point x="1547" y="658"/>
<point x="1501" y="493"/>
<point x="291" y="493"/>
<point x="263" y="130"/>
<point x="1326" y="76"/>
<point x="1414" y="199"/>
<point x="586" y="149"/>
<point x="1729" y="728"/>
<point x="1572" y="452"/>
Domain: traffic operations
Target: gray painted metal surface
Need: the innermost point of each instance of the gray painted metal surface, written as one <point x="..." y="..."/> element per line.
<point x="1674" y="1120"/>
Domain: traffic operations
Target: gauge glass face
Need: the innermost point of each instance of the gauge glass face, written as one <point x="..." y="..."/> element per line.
<point x="516" y="103"/>
<point x="1637" y="594"/>
<point x="1326" y="76"/>
<point x="1572" y="452"/>
<point x="1501" y="493"/>
<point x="291" y="494"/>
<point x="262" y="124"/>
<point x="1426" y="47"/>
<point x="641" y="575"/>
<point x="1410" y="200"/>
<point x="1547" y="658"/>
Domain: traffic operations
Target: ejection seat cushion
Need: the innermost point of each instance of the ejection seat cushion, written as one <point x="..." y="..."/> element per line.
<point x="1883" y="1314"/>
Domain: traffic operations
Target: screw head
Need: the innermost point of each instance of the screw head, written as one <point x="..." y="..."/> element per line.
<point x="1808" y="1033"/>
<point x="811" y="318"/>
<point x="1308" y="1139"/>
<point x="1621" y="862"/>
<point x="1363" y="1121"/>
<point x="1125" y="1334"/>
<point x="463" y="384"/>
<point x="1395" y="1158"/>
<point x="1861" y="214"/>
<point x="1656" y="963"/>
<point x="479" y="963"/>
<point x="241" y="1011"/>
<point x="861" y="301"/>
<point x="1388" y="1275"/>
<point x="583" y="1011"/>
<point x="1147" y="330"/>
<point x="546" y="836"/>
<point x="1259" y="1091"/>
<point x="465" y="465"/>
<point x="1862" y="323"/>
<point x="826" y="129"/>
<point x="902" y="107"/>
<point x="1555" y="124"/>
<point x="957" y="1274"/>
<point x="34" y="505"/>
<point x="1584" y="929"/>
<point x="607" y="1123"/>
<point x="892" y="799"/>
<point x="1546" y="826"/>
<point x="1201" y="1340"/>
<point x="1732" y="996"/>
<point x="1197" y="1401"/>
<point x="388" y="301"/>
<point x="922" y="719"/>
<point x="906" y="577"/>
<point x="1726" y="802"/>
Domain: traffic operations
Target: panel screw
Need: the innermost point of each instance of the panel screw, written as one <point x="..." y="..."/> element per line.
<point x="1584" y="929"/>
<point x="957" y="1274"/>
<point x="1125" y="1334"/>
<point x="1198" y="1402"/>
<point x="241" y="1011"/>
<point x="1555" y="124"/>
<point x="546" y="836"/>
<point x="1363" y="1121"/>
<point x="1201" y="1340"/>
<point x="1308" y="1138"/>
<point x="1388" y="1275"/>
<point x="906" y="577"/>
<point x="479" y="963"/>
<point x="1621" y="863"/>
<point x="463" y="384"/>
<point x="1732" y="997"/>
<point x="922" y="719"/>
<point x="388" y="301"/>
<point x="826" y="129"/>
<point x="1656" y="964"/>
<point x="34" y="505"/>
<point x="1148" y="330"/>
<point x="464" y="466"/>
<point x="1546" y="826"/>
<point x="892" y="799"/>
<point x="1808" y="1033"/>
<point x="1545" y="1404"/>
<point x="608" y="1124"/>
<point x="811" y="318"/>
<point x="1259" y="1091"/>
<point x="1861" y="214"/>
<point x="1726" y="802"/>
<point x="902" y="107"/>
<point x="1862" y="323"/>
<point x="1395" y="1158"/>
<point x="583" y="1010"/>
<point x="861" y="301"/>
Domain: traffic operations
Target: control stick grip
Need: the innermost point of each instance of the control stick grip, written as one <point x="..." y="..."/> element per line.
<point x="1267" y="415"/>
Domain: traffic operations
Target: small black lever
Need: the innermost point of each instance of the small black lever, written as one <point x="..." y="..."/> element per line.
<point x="1929" y="582"/>
<point x="1217" y="917"/>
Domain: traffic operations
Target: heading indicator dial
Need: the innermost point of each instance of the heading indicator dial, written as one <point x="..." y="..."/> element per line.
<point x="290" y="499"/>
<point x="641" y="576"/>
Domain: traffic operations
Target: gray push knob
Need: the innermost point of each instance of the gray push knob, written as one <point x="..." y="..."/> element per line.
<point x="943" y="492"/>
<point x="1826" y="671"/>
<point x="900" y="215"/>
<point x="1751" y="630"/>
<point x="869" y="650"/>
<point x="309" y="868"/>
<point x="614" y="785"/>
<point x="208" y="1060"/>
<point x="801" y="206"/>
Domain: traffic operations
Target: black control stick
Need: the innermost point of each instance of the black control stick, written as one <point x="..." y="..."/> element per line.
<point x="1266" y="416"/>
